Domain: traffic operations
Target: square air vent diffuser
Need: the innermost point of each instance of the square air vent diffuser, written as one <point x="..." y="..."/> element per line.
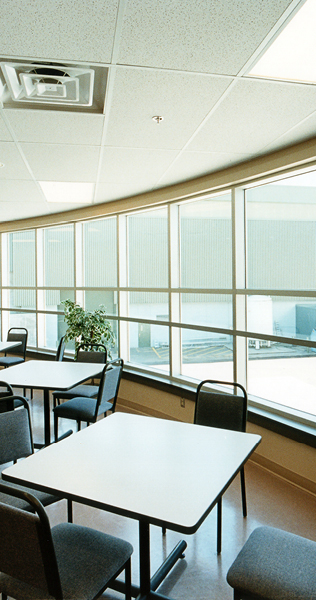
<point x="49" y="84"/>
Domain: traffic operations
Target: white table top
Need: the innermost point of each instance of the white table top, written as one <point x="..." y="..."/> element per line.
<point x="165" y="471"/>
<point x="8" y="345"/>
<point x="44" y="374"/>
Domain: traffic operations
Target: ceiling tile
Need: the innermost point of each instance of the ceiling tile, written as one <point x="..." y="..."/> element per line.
<point x="55" y="127"/>
<point x="182" y="99"/>
<point x="22" y="191"/>
<point x="253" y="114"/>
<point x="195" y="164"/>
<point x="141" y="166"/>
<point x="62" y="163"/>
<point x="213" y="37"/>
<point x="114" y="191"/>
<point x="11" y="211"/>
<point x="302" y="131"/>
<point x="14" y="166"/>
<point x="5" y="135"/>
<point x="54" y="30"/>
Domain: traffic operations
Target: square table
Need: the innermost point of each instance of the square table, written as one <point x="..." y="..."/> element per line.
<point x="160" y="472"/>
<point x="50" y="375"/>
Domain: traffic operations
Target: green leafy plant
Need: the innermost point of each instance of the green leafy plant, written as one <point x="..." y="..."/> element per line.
<point x="87" y="327"/>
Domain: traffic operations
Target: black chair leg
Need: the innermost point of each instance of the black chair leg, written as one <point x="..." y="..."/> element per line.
<point x="55" y="427"/>
<point x="243" y="492"/>
<point x="69" y="511"/>
<point x="219" y="526"/>
<point x="78" y="425"/>
<point x="128" y="581"/>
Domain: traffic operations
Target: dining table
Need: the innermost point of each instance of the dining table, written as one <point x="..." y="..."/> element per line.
<point x="157" y="471"/>
<point x="49" y="375"/>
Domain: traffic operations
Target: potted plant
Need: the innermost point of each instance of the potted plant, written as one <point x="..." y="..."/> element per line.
<point x="87" y="327"/>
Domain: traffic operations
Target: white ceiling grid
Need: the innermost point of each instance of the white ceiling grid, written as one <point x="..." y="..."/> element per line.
<point x="180" y="59"/>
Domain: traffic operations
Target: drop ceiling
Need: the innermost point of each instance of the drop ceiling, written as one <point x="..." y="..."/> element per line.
<point x="186" y="61"/>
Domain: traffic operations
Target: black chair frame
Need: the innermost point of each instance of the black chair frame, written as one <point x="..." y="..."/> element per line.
<point x="239" y="425"/>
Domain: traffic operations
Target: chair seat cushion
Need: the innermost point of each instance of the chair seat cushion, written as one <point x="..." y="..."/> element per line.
<point x="81" y="409"/>
<point x="89" y="391"/>
<point x="9" y="361"/>
<point x="275" y="565"/>
<point x="87" y="560"/>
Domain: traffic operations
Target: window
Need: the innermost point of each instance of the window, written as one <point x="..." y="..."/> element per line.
<point x="219" y="287"/>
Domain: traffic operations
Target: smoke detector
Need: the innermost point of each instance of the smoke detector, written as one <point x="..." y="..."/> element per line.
<point x="49" y="84"/>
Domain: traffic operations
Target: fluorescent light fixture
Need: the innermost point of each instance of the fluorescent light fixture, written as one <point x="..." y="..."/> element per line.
<point x="68" y="191"/>
<point x="292" y="55"/>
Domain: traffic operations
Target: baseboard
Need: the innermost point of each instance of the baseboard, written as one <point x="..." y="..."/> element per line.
<point x="286" y="474"/>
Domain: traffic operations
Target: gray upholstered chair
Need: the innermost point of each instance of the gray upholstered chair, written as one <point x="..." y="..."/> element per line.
<point x="94" y="353"/>
<point x="16" y="441"/>
<point x="87" y="409"/>
<point x="226" y="411"/>
<point x="67" y="561"/>
<point x="17" y="354"/>
<point x="274" y="565"/>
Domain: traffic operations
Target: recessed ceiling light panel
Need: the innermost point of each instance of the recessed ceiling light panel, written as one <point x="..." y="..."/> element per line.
<point x="49" y="84"/>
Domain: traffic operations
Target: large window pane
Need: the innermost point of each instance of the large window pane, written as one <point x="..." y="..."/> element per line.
<point x="206" y="355"/>
<point x="27" y="320"/>
<point x="100" y="253"/>
<point x="149" y="346"/>
<point x="148" y="249"/>
<point x="21" y="256"/>
<point x="148" y="305"/>
<point x="54" y="298"/>
<point x="284" y="374"/>
<point x="210" y="310"/>
<point x="108" y="298"/>
<point x="23" y="299"/>
<point x="206" y="243"/>
<point x="281" y="234"/>
<point x="284" y="316"/>
<point x="59" y="256"/>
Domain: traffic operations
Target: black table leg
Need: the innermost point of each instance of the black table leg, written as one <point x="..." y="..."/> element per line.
<point x="46" y="418"/>
<point x="144" y="559"/>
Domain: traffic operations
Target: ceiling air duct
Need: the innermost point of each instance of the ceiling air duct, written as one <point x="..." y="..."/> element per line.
<point x="49" y="84"/>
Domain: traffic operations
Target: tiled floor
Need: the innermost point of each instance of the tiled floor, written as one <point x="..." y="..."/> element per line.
<point x="201" y="575"/>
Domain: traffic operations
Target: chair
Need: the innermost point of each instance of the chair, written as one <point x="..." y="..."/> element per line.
<point x="274" y="565"/>
<point x="66" y="561"/>
<point x="16" y="441"/>
<point x="88" y="409"/>
<point x="96" y="353"/>
<point x="225" y="411"/>
<point x="6" y="391"/>
<point x="60" y="349"/>
<point x="15" y="334"/>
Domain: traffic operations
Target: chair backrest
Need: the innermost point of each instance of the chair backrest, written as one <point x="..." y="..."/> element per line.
<point x="6" y="391"/>
<point x="60" y="350"/>
<point x="17" y="334"/>
<point x="94" y="353"/>
<point x="110" y="383"/>
<point x="26" y="550"/>
<point x="16" y="440"/>
<point x="221" y="409"/>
